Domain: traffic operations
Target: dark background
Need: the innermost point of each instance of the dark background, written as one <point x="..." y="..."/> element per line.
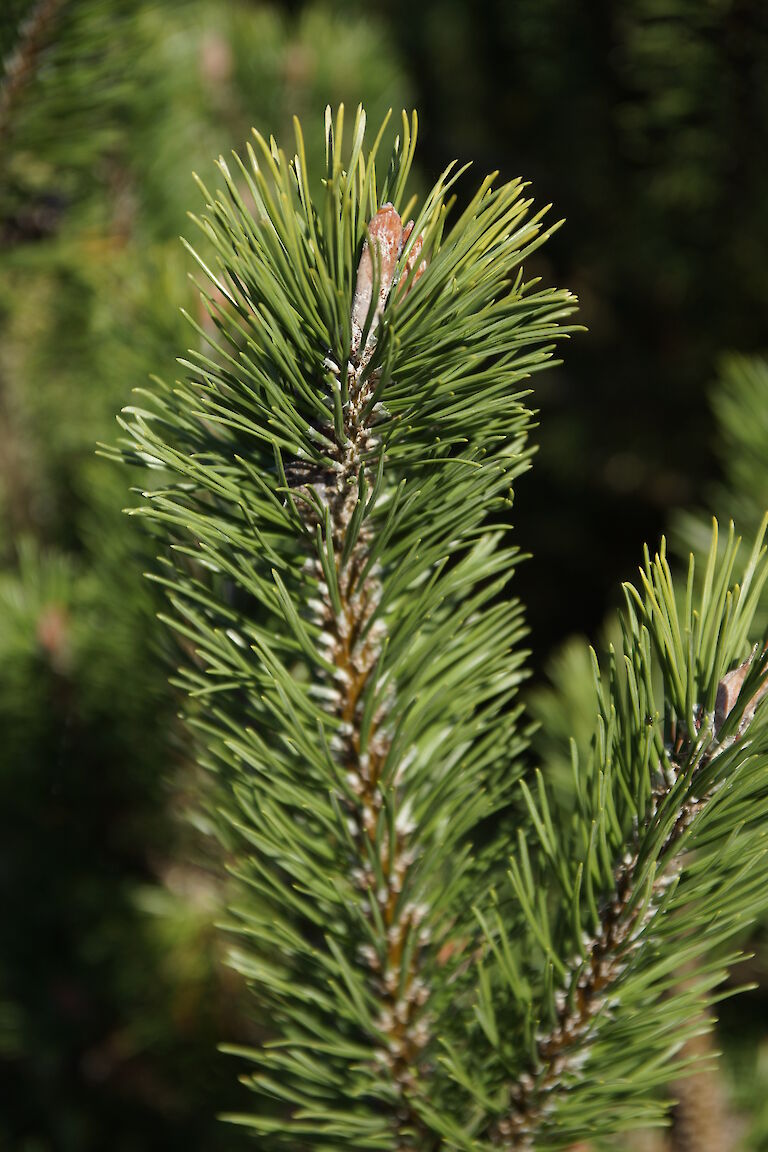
<point x="645" y="123"/>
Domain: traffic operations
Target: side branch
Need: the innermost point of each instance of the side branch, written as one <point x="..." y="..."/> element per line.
<point x="610" y="950"/>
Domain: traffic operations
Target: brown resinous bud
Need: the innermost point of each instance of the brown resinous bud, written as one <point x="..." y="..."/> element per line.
<point x="387" y="235"/>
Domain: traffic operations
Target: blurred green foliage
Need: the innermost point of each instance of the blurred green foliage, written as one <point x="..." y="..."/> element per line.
<point x="740" y="405"/>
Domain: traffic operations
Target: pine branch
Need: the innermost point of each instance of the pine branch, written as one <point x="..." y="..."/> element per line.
<point x="663" y="863"/>
<point x="338" y="479"/>
<point x="624" y="921"/>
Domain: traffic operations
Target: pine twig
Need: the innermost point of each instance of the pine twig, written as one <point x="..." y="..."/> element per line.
<point x="623" y="923"/>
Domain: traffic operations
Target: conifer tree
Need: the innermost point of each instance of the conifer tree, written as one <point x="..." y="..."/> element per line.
<point x="441" y="957"/>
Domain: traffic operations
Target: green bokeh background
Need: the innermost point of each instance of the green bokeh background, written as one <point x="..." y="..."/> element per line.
<point x="645" y="122"/>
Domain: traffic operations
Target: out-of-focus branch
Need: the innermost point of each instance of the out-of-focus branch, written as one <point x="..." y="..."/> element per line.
<point x="700" y="1118"/>
<point x="20" y="67"/>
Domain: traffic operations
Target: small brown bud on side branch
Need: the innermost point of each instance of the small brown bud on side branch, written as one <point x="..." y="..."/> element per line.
<point x="728" y="691"/>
